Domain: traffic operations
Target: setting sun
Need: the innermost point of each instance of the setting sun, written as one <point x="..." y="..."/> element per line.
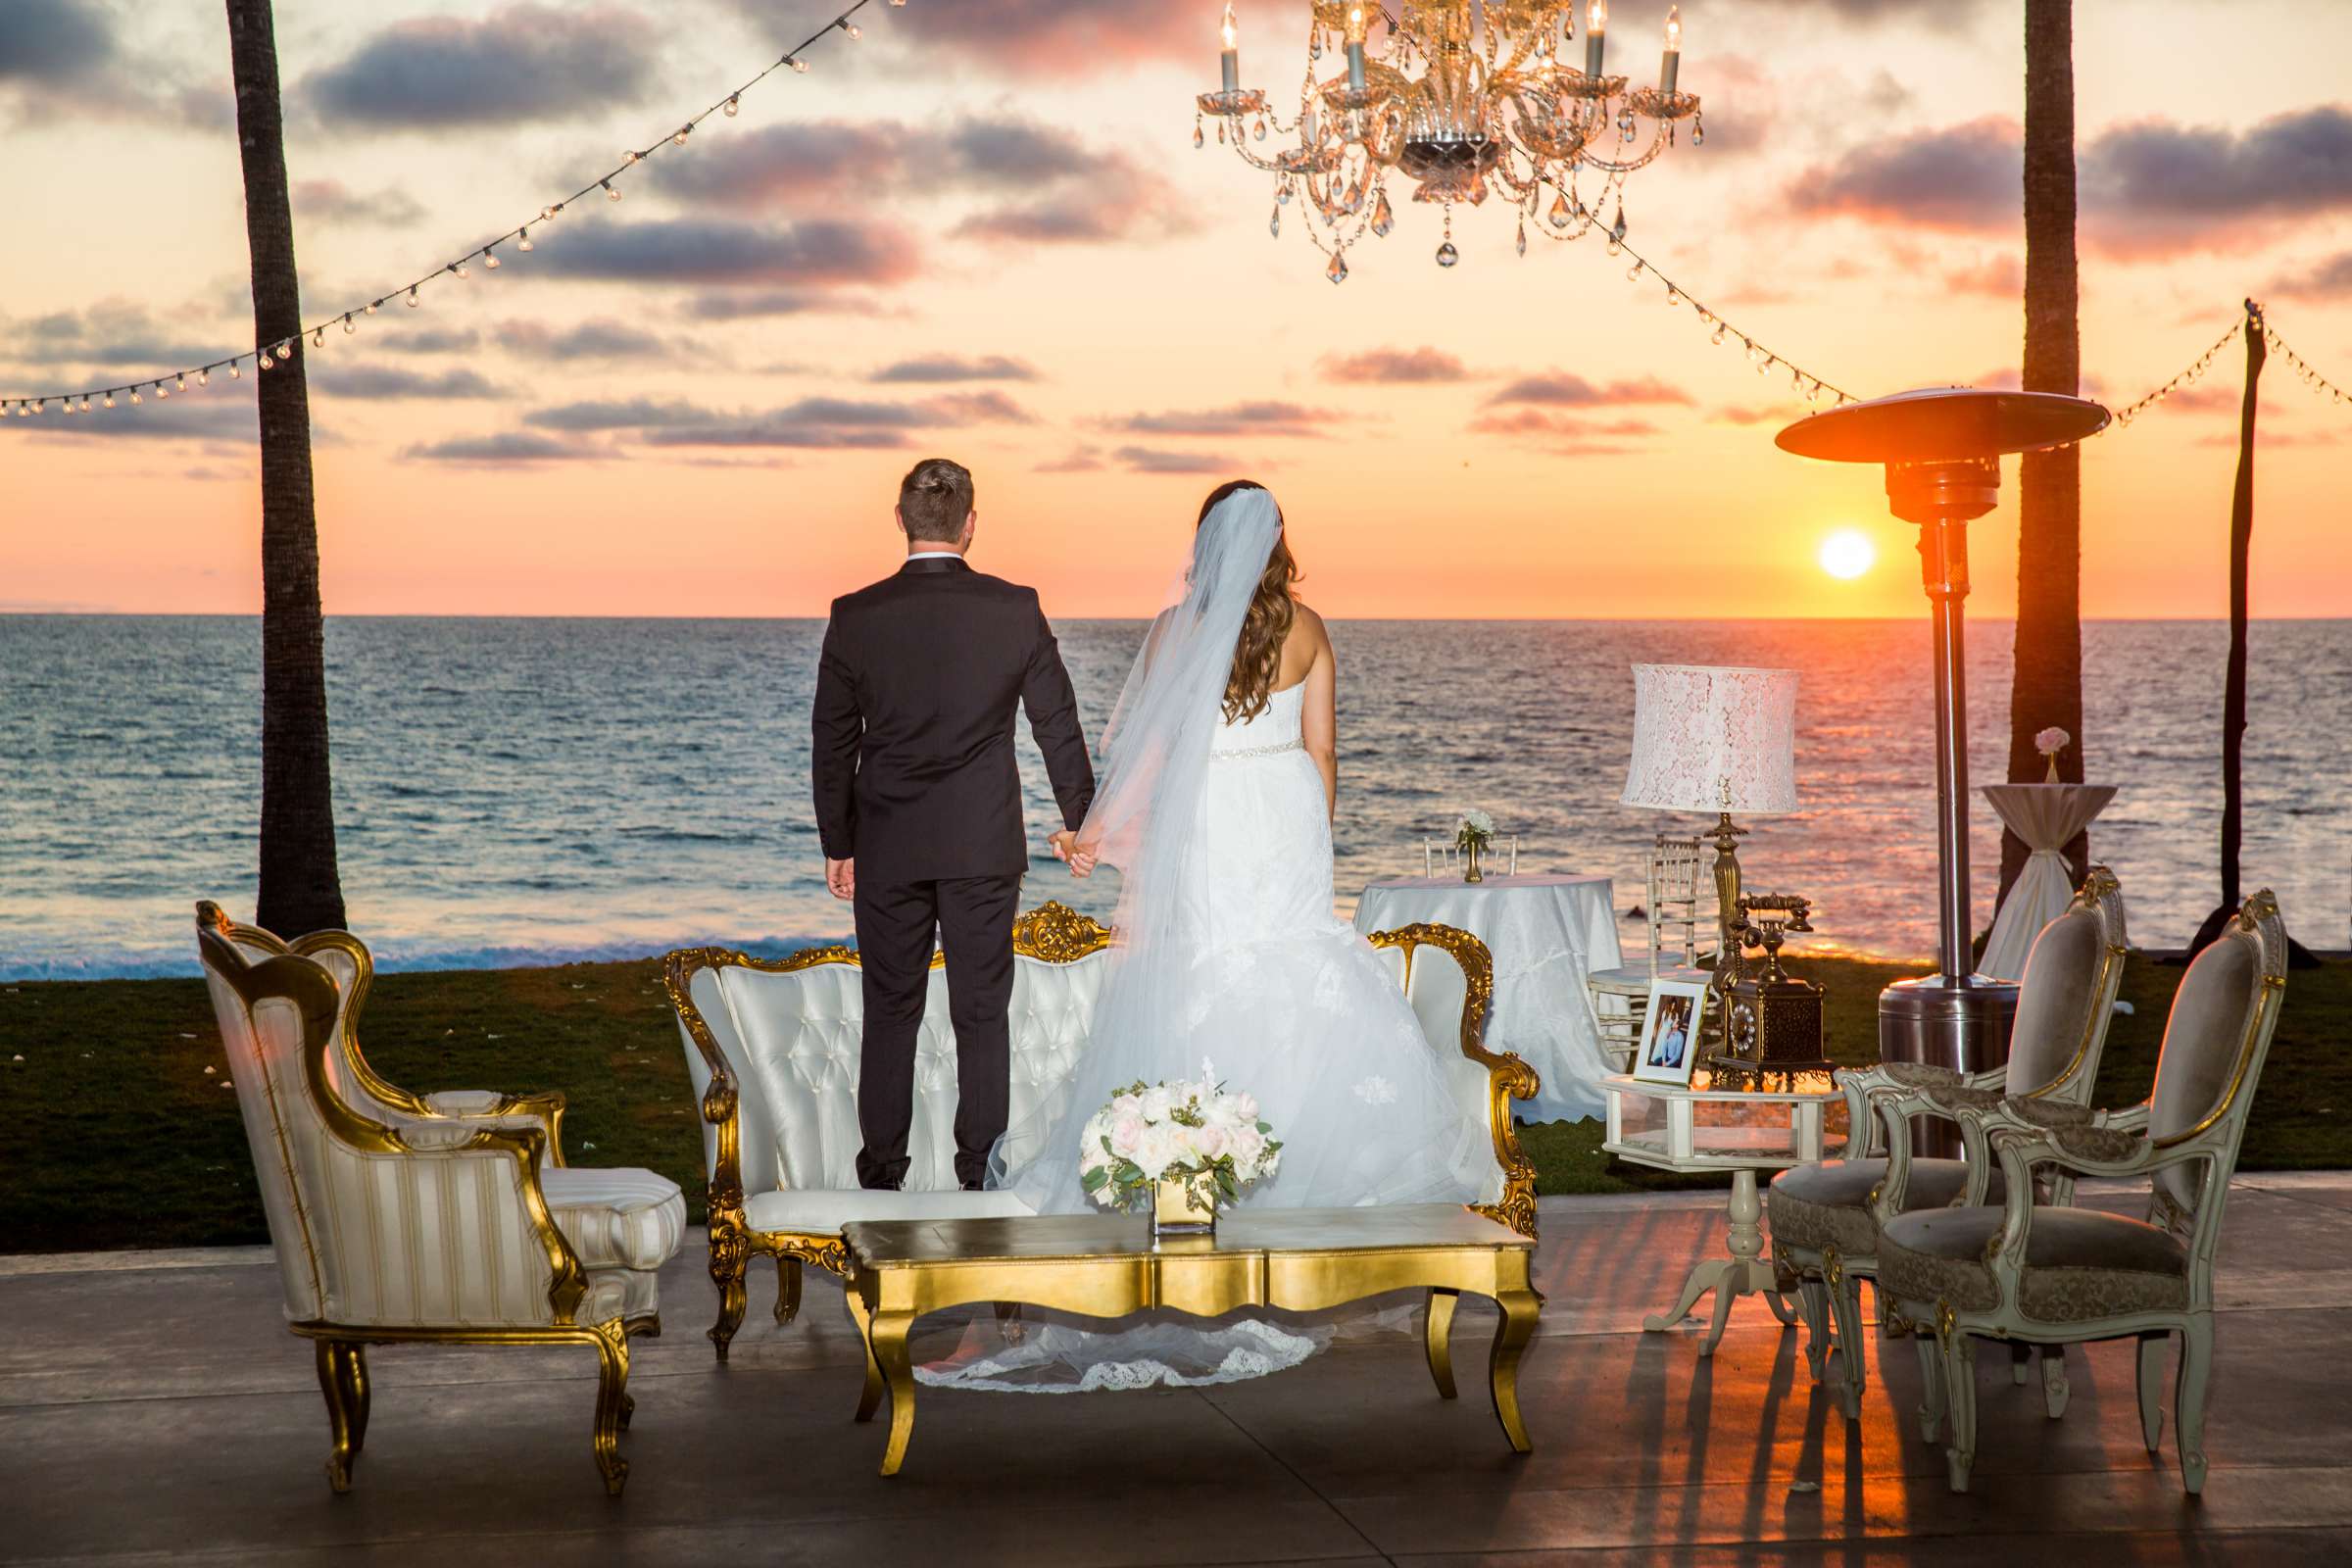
<point x="1848" y="553"/>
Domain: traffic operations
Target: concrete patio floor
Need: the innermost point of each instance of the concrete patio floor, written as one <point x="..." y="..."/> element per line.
<point x="153" y="1407"/>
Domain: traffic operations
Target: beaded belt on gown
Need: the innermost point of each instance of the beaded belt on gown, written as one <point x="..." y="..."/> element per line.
<point x="1294" y="743"/>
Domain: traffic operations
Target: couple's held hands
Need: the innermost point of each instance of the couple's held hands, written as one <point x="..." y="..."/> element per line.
<point x="841" y="878"/>
<point x="1081" y="858"/>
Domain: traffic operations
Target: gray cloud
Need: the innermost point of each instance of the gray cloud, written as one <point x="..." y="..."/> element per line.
<point x="1961" y="176"/>
<point x="508" y="449"/>
<point x="1080" y="460"/>
<point x="115" y="335"/>
<point x="210" y="415"/>
<point x="331" y="201"/>
<point x="525" y="63"/>
<point x="1396" y="367"/>
<point x="597" y="338"/>
<point x="1560" y="390"/>
<point x="1253" y="419"/>
<point x="981" y="408"/>
<point x="1565" y="435"/>
<point x="431" y="340"/>
<point x="634" y="413"/>
<point x="777" y="432"/>
<point x="820" y="252"/>
<point x="385" y="382"/>
<point x="1148" y="460"/>
<point x="46" y="42"/>
<point x="2331" y="279"/>
<point x="940" y="368"/>
<point x="747" y="303"/>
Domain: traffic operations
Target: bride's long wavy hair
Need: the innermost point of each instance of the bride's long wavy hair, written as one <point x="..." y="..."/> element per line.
<point x="1257" y="656"/>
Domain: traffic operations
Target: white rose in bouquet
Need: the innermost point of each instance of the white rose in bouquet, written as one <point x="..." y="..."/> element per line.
<point x="1182" y="1130"/>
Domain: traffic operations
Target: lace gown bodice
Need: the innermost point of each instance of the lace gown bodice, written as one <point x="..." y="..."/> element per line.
<point x="1270" y="733"/>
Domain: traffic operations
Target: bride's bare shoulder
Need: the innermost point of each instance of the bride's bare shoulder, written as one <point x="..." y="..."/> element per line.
<point x="1307" y="626"/>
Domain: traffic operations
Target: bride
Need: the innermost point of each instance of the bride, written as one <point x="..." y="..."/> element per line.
<point x="1215" y="805"/>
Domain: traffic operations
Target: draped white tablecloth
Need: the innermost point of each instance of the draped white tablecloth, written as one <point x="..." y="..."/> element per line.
<point x="1546" y="933"/>
<point x="2047" y="816"/>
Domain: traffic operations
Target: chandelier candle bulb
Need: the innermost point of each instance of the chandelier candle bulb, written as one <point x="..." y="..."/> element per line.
<point x="1671" y="67"/>
<point x="1596" y="35"/>
<point x="1356" y="28"/>
<point x="1231" y="58"/>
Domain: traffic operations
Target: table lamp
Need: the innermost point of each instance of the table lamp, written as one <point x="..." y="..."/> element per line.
<point x="1715" y="740"/>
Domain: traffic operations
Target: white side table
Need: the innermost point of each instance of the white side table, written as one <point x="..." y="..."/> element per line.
<point x="1703" y="1128"/>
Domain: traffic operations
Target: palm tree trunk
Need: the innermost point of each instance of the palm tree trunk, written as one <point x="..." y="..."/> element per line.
<point x="300" y="889"/>
<point x="2046" y="687"/>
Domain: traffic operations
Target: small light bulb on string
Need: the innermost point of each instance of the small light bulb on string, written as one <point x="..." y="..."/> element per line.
<point x="267" y="362"/>
<point x="413" y="301"/>
<point x="285" y="349"/>
<point x="1633" y="271"/>
<point x="371" y="305"/>
<point x="183" y="382"/>
<point x="234" y="373"/>
<point x="611" y="190"/>
<point x="460" y="269"/>
<point x="490" y="260"/>
<point x="86" y="403"/>
<point x="318" y="338"/>
<point x="349" y="326"/>
<point x="109" y="400"/>
<point x="683" y="133"/>
<point x="547" y="215"/>
<point x="632" y="155"/>
<point x="734" y="105"/>
<point x="163" y="393"/>
<point x="203" y="379"/>
<point x="136" y="399"/>
<point x="523" y="241"/>
<point x="797" y="64"/>
<point x="1717" y="339"/>
<point x="854" y="31"/>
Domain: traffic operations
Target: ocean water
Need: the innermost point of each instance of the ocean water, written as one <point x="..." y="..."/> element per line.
<point x="530" y="791"/>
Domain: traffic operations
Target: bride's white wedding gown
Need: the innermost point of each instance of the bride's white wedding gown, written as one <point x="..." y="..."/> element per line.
<point x="1289" y="1004"/>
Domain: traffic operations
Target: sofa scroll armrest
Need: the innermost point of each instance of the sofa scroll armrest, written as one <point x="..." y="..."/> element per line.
<point x="722" y="1101"/>
<point x="480" y="1105"/>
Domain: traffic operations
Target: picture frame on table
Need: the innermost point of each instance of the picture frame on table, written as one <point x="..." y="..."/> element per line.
<point x="1670" y="1031"/>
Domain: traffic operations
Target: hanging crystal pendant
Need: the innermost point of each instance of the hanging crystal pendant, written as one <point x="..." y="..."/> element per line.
<point x="1337" y="272"/>
<point x="1261" y="131"/>
<point x="1698" y="133"/>
<point x="1560" y="214"/>
<point x="1274" y="225"/>
<point x="1523" y="236"/>
<point x="1448" y="254"/>
<point x="1220" y="133"/>
<point x="1281" y="193"/>
<point x="1384" y="217"/>
<point x="1617" y="228"/>
<point x="1355" y="200"/>
<point x="1199" y="137"/>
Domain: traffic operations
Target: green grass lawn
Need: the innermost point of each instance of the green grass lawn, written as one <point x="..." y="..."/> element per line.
<point x="112" y="1135"/>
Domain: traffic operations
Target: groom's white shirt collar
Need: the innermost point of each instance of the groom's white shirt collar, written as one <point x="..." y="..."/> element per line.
<point x="936" y="554"/>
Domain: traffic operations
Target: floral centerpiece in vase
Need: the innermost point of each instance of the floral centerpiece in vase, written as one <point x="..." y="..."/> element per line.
<point x="1184" y="1145"/>
<point x="1474" y="835"/>
<point x="2049" y="743"/>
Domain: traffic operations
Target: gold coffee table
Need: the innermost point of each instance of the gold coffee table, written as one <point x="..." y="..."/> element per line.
<point x="1301" y="1259"/>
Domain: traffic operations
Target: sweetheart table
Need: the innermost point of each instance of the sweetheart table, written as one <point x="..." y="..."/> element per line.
<point x="1546" y="933"/>
<point x="1107" y="1265"/>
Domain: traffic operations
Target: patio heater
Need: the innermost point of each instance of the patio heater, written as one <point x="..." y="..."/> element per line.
<point x="1942" y="450"/>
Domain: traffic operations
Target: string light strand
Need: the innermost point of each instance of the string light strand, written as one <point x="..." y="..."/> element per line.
<point x="266" y="355"/>
<point x="1766" y="360"/>
<point x="2188" y="377"/>
<point x="2304" y="372"/>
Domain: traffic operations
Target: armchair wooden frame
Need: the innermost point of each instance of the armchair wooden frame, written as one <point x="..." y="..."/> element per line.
<point x="2111" y="1145"/>
<point x="1881" y="1102"/>
<point x="1051" y="933"/>
<point x="295" y="977"/>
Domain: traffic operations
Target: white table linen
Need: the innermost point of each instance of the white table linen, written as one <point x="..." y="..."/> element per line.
<point x="1546" y="933"/>
<point x="2046" y="816"/>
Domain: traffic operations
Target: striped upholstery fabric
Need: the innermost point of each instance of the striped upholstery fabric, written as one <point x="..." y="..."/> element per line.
<point x="619" y="1218"/>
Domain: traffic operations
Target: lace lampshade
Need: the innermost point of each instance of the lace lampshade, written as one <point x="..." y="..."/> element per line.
<point x="1713" y="740"/>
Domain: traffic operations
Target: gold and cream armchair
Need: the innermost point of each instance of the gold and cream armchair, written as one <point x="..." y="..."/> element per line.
<point x="773" y="1047"/>
<point x="1827" y="1217"/>
<point x="393" y="1226"/>
<point x="2039" y="1275"/>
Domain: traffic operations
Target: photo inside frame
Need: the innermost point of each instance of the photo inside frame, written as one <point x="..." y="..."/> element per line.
<point x="1670" y="1035"/>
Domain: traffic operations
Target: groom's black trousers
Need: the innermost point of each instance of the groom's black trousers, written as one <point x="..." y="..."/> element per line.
<point x="973" y="918"/>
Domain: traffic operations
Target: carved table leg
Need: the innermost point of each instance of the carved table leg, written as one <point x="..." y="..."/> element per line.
<point x="1438" y="1335"/>
<point x="889" y="1340"/>
<point x="1743" y="1273"/>
<point x="1519" y="1311"/>
<point x="869" y="1400"/>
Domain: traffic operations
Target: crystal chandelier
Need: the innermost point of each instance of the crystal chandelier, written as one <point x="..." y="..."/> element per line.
<point x="1467" y="100"/>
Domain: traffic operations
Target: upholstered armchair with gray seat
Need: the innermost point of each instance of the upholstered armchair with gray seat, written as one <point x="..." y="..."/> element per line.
<point x="772" y="1047"/>
<point x="402" y="1225"/>
<point x="1827" y="1217"/>
<point x="2032" y="1274"/>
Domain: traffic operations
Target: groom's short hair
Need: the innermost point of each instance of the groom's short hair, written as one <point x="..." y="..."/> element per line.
<point x="935" y="500"/>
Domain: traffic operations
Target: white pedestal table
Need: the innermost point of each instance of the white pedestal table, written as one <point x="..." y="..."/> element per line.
<point x="1705" y="1128"/>
<point x="2047" y="816"/>
<point x="1546" y="932"/>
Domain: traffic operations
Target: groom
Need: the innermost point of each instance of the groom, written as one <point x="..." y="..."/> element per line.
<point x="919" y="804"/>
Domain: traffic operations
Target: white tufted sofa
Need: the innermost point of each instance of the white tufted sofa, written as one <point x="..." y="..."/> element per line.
<point x="773" y="1049"/>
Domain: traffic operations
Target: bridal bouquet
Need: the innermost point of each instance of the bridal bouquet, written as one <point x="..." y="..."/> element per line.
<point x="1192" y="1132"/>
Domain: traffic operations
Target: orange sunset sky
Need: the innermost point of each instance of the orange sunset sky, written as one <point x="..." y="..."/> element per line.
<point x="983" y="231"/>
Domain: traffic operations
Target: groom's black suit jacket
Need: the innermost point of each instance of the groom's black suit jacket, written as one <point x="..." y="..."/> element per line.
<point x="915" y="692"/>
